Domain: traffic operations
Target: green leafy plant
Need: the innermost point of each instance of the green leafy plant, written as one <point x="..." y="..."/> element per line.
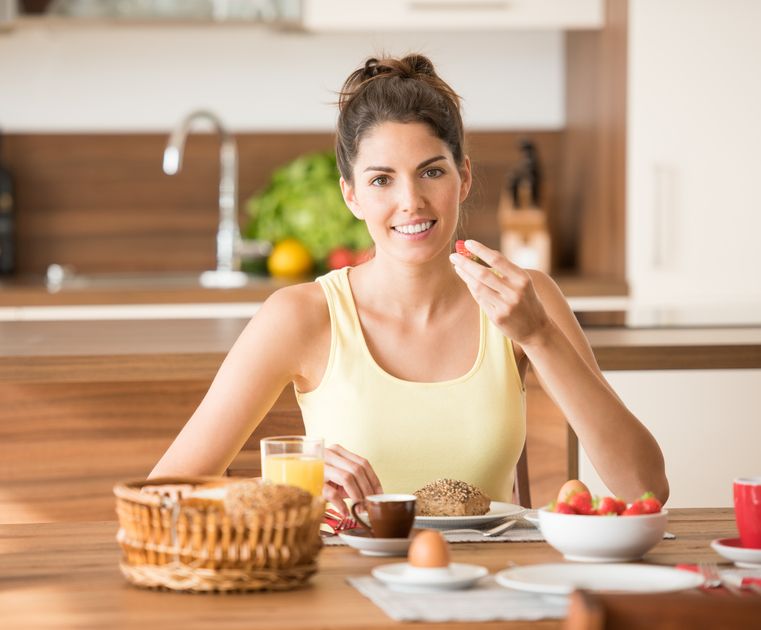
<point x="303" y="201"/>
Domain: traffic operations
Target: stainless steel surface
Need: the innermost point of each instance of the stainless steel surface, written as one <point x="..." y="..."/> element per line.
<point x="60" y="279"/>
<point x="227" y="273"/>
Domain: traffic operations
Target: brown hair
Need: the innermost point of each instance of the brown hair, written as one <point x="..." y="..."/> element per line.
<point x="398" y="90"/>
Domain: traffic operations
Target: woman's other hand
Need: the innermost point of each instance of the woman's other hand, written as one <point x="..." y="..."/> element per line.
<point x="508" y="299"/>
<point x="347" y="475"/>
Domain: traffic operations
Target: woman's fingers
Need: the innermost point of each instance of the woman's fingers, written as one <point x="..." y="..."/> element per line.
<point x="497" y="261"/>
<point x="484" y="294"/>
<point x="350" y="472"/>
<point x="335" y="496"/>
<point x="365" y="468"/>
<point x="337" y="476"/>
<point x="478" y="273"/>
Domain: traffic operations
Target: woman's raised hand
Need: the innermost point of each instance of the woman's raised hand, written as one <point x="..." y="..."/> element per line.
<point x="508" y="299"/>
<point x="347" y="475"/>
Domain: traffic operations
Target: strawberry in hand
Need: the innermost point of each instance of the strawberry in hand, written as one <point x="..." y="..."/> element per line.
<point x="460" y="248"/>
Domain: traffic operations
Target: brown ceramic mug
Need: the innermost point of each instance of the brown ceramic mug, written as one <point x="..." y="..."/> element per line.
<point x="391" y="515"/>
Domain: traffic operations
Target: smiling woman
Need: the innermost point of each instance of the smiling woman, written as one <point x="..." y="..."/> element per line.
<point x="411" y="365"/>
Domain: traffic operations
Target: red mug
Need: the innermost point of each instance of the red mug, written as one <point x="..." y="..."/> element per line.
<point x="747" y="491"/>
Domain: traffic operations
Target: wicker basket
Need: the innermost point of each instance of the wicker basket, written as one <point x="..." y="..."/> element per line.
<point x="196" y="546"/>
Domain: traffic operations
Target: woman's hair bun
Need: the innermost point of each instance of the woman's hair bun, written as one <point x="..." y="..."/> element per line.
<point x="420" y="64"/>
<point x="407" y="67"/>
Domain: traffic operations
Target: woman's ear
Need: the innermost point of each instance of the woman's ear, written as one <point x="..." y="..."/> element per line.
<point x="350" y="199"/>
<point x="466" y="178"/>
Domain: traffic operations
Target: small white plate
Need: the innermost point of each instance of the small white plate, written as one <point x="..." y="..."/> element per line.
<point x="732" y="549"/>
<point x="368" y="546"/>
<point x="402" y="577"/>
<point x="497" y="511"/>
<point x="562" y="579"/>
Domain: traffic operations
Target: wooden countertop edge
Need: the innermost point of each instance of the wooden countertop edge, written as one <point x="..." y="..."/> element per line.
<point x="179" y="366"/>
<point x="184" y="366"/>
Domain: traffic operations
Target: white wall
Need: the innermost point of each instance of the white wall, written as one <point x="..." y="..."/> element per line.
<point x="707" y="422"/>
<point x="133" y="78"/>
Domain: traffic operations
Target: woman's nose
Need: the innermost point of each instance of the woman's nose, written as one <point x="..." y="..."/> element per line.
<point x="411" y="197"/>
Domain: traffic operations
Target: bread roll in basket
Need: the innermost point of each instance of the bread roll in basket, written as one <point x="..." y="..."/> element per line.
<point x="217" y="534"/>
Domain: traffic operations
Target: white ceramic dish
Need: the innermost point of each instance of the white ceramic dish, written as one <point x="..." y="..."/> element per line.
<point x="732" y="549"/>
<point x="562" y="579"/>
<point x="369" y="546"/>
<point x="402" y="577"/>
<point x="602" y="538"/>
<point x="497" y="511"/>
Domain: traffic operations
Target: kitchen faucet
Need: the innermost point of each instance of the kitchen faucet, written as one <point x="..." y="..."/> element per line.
<point x="227" y="273"/>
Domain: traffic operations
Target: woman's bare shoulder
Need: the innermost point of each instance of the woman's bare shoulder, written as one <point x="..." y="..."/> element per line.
<point x="298" y="309"/>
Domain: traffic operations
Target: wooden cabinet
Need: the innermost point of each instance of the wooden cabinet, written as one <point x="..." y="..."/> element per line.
<point x="456" y="15"/>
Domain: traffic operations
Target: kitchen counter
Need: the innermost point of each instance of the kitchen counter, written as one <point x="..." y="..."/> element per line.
<point x="86" y="403"/>
<point x="175" y="288"/>
<point x="194" y="348"/>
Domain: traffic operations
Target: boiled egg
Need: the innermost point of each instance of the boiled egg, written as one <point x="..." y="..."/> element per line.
<point x="428" y="550"/>
<point x="572" y="486"/>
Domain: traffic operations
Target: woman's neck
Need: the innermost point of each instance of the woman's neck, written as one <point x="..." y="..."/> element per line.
<point x="417" y="292"/>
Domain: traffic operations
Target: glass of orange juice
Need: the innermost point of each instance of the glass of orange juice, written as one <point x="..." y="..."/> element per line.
<point x="297" y="460"/>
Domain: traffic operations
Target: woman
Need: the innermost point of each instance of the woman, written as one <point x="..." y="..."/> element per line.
<point x="411" y="365"/>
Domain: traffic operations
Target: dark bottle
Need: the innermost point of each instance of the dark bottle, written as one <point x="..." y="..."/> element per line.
<point x="526" y="180"/>
<point x="7" y="223"/>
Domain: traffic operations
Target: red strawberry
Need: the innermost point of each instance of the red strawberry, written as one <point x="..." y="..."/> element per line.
<point x="635" y="509"/>
<point x="564" y="508"/>
<point x="611" y="505"/>
<point x="460" y="248"/>
<point x="581" y="502"/>
<point x="650" y="505"/>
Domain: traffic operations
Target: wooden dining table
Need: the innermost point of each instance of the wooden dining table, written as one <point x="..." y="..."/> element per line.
<point x="66" y="575"/>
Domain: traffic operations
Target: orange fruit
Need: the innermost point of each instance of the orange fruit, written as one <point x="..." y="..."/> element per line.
<point x="289" y="259"/>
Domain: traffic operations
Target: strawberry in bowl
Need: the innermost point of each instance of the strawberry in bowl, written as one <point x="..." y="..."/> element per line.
<point x="592" y="529"/>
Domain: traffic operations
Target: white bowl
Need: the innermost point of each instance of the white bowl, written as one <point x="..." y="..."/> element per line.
<point x="602" y="538"/>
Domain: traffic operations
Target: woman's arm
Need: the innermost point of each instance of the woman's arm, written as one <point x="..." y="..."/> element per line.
<point x="530" y="309"/>
<point x="264" y="359"/>
<point x="288" y="338"/>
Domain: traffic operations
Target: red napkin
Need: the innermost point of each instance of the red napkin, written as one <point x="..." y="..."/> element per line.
<point x="751" y="581"/>
<point x="333" y="522"/>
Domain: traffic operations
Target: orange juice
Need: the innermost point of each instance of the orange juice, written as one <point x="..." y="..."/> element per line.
<point x="296" y="470"/>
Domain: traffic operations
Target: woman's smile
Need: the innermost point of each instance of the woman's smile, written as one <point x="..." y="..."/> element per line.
<point x="414" y="230"/>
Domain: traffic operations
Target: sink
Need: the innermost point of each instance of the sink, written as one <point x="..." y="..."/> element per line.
<point x="61" y="279"/>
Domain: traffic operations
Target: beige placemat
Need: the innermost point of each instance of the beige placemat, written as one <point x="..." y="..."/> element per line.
<point x="486" y="601"/>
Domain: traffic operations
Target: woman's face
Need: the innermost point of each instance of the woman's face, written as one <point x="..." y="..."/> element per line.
<point x="408" y="190"/>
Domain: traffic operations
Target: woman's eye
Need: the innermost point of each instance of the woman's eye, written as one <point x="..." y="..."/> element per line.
<point x="433" y="172"/>
<point x="381" y="180"/>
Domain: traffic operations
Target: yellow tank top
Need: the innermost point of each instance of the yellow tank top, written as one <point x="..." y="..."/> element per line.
<point x="471" y="428"/>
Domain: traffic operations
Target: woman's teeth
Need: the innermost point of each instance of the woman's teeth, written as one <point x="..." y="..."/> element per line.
<point x="414" y="229"/>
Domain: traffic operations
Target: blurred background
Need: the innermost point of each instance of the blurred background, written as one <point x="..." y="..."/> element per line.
<point x="615" y="144"/>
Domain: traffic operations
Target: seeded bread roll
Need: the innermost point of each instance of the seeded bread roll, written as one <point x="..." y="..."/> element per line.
<point x="246" y="498"/>
<point x="450" y="497"/>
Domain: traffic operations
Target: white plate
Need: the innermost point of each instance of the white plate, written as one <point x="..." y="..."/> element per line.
<point x="561" y="579"/>
<point x="730" y="548"/>
<point x="369" y="546"/>
<point x="497" y="511"/>
<point x="402" y="577"/>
